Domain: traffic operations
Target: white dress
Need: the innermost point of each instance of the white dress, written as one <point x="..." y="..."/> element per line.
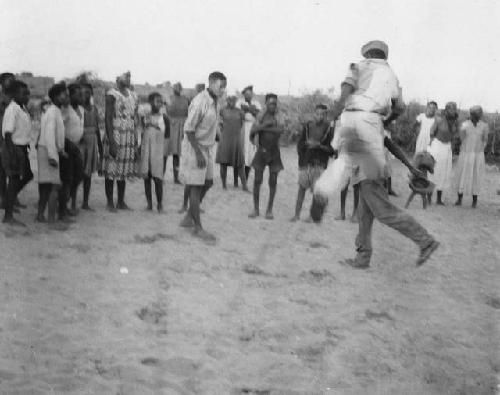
<point x="469" y="172"/>
<point x="249" y="149"/>
<point x="424" y="136"/>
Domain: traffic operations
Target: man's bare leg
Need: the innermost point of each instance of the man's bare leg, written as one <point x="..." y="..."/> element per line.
<point x="194" y="211"/>
<point x="273" y="183"/>
<point x="410" y="198"/>
<point x="301" y="194"/>
<point x="259" y="175"/>
<point x="185" y="200"/>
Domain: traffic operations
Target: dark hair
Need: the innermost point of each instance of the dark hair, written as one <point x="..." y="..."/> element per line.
<point x="88" y="86"/>
<point x="16" y="86"/>
<point x="376" y="53"/>
<point x="5" y="76"/>
<point x="432" y="102"/>
<point x="56" y="90"/>
<point x="72" y="88"/>
<point x="270" y="96"/>
<point x="321" y="106"/>
<point x="151" y="96"/>
<point x="216" y="75"/>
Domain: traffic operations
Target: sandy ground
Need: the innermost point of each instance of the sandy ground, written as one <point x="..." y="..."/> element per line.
<point x="268" y="310"/>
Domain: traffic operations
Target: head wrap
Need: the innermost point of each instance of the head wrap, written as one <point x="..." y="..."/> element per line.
<point x="123" y="77"/>
<point x="248" y="88"/>
<point x="376" y="44"/>
<point x="478" y="110"/>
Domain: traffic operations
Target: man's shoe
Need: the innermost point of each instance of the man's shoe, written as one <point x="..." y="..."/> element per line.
<point x="425" y="253"/>
<point x="355" y="264"/>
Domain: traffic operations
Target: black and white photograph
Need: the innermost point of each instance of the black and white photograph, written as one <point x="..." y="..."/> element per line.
<point x="261" y="197"/>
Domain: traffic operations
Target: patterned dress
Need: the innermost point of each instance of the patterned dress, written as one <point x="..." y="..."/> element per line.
<point x="125" y="137"/>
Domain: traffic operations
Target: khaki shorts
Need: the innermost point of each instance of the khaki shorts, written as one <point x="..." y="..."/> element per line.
<point x="189" y="172"/>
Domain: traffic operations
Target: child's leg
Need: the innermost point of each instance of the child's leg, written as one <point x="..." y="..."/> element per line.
<point x="343" y="198"/>
<point x="301" y="194"/>
<point x="53" y="195"/>
<point x="223" y="175"/>
<point x="354" y="216"/>
<point x="147" y="191"/>
<point x="235" y="176"/>
<point x="273" y="183"/>
<point x="159" y="193"/>
<point x="44" y="192"/>
<point x="87" y="181"/>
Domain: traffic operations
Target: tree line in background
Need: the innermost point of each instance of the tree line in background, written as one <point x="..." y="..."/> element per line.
<point x="297" y="110"/>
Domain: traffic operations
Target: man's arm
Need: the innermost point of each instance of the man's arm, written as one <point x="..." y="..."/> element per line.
<point x="398" y="153"/>
<point x="346" y="91"/>
<point x="301" y="144"/>
<point x="199" y="155"/>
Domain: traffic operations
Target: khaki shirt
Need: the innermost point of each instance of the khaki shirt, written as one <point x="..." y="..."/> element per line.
<point x="375" y="84"/>
<point x="203" y="119"/>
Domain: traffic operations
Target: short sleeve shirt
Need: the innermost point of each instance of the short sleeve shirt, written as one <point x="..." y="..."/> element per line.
<point x="374" y="83"/>
<point x="16" y="120"/>
<point x="203" y="119"/>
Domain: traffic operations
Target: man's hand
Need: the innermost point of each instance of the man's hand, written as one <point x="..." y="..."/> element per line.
<point x="200" y="159"/>
<point x="53" y="163"/>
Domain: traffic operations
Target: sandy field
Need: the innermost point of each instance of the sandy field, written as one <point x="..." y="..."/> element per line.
<point x="268" y="310"/>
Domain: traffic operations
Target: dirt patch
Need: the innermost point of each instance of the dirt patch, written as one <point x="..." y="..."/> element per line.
<point x="152" y="314"/>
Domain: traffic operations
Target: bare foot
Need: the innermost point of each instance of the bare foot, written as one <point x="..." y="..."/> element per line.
<point x="86" y="207"/>
<point x="354" y="218"/>
<point x="187" y="222"/>
<point x="269" y="215"/>
<point x="253" y="214"/>
<point x="308" y="220"/>
<point x="40" y="218"/>
<point x="205" y="236"/>
<point x="58" y="226"/>
<point x="123" y="206"/>
<point x="111" y="208"/>
<point x="355" y="264"/>
<point x="340" y="218"/>
<point x="182" y="210"/>
<point x="295" y="218"/>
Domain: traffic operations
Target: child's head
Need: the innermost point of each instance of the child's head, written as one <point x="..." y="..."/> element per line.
<point x="20" y="92"/>
<point x="155" y="100"/>
<point x="58" y="94"/>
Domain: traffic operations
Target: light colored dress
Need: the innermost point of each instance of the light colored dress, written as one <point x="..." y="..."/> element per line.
<point x="469" y="172"/>
<point x="424" y="136"/>
<point x="124" y="135"/>
<point x="50" y="143"/>
<point x="249" y="149"/>
<point x="152" y="146"/>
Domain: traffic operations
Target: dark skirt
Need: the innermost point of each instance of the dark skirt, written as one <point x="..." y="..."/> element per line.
<point x="230" y="148"/>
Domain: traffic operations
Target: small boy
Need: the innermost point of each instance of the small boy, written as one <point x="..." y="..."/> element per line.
<point x="419" y="185"/>
<point x="314" y="149"/>
<point x="16" y="130"/>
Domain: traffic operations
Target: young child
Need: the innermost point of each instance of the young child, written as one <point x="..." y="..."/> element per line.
<point x="91" y="144"/>
<point x="16" y="130"/>
<point x="50" y="147"/>
<point x="155" y="125"/>
<point x="268" y="127"/>
<point x="424" y="162"/>
<point x="314" y="149"/>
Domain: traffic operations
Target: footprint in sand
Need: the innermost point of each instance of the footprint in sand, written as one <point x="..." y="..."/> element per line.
<point x="152" y="314"/>
<point x="378" y="316"/>
<point x="316" y="275"/>
<point x="152" y="239"/>
<point x="493" y="302"/>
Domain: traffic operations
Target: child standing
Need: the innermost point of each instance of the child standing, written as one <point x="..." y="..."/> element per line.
<point x="156" y="128"/>
<point x="50" y="146"/>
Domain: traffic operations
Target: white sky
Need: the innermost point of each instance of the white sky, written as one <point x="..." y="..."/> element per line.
<point x="440" y="49"/>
